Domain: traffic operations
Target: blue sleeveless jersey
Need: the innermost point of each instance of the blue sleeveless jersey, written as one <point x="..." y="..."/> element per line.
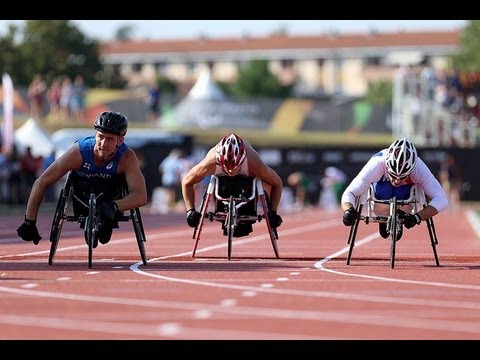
<point x="89" y="170"/>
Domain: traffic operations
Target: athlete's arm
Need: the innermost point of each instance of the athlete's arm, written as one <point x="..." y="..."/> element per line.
<point x="196" y="174"/>
<point x="70" y="160"/>
<point x="137" y="190"/>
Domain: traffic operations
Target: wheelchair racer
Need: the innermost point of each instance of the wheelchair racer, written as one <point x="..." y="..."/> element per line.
<point x="99" y="163"/>
<point x="392" y="172"/>
<point x="233" y="156"/>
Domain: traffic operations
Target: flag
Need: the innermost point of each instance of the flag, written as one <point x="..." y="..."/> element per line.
<point x="7" y="130"/>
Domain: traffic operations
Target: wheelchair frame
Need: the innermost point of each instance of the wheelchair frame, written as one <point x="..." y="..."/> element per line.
<point x="92" y="220"/>
<point x="393" y="221"/>
<point x="231" y="217"/>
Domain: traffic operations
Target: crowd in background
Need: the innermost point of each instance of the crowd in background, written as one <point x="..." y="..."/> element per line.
<point x="446" y="98"/>
<point x="18" y="172"/>
<point x="63" y="98"/>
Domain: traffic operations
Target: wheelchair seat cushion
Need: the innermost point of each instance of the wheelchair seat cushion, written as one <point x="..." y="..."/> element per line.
<point x="235" y="185"/>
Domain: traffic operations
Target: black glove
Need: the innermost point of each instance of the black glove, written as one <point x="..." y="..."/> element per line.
<point x="349" y="216"/>
<point x="275" y="219"/>
<point x="108" y="209"/>
<point x="28" y="231"/>
<point x="411" y="220"/>
<point x="193" y="218"/>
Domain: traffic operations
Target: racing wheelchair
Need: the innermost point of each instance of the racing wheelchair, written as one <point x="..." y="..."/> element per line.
<point x="394" y="221"/>
<point x="235" y="202"/>
<point x="84" y="210"/>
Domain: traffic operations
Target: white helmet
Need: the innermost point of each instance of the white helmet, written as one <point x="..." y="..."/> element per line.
<point x="401" y="158"/>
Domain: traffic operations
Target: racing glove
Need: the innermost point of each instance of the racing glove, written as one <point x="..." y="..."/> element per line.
<point x="411" y="220"/>
<point x="274" y="219"/>
<point x="28" y="231"/>
<point x="349" y="216"/>
<point x="108" y="209"/>
<point x="193" y="218"/>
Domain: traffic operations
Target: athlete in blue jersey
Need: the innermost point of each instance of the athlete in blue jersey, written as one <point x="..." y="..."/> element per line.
<point x="99" y="163"/>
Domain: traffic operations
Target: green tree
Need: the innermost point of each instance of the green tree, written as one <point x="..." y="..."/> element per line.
<point x="468" y="58"/>
<point x="124" y="33"/>
<point x="51" y="48"/>
<point x="380" y="92"/>
<point x="256" y="80"/>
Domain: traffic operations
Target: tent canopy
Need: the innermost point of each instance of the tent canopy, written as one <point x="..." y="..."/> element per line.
<point x="33" y="135"/>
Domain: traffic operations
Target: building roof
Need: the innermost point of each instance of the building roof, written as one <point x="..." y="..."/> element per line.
<point x="282" y="46"/>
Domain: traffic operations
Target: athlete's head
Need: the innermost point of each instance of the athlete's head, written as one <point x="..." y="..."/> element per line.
<point x="231" y="152"/>
<point x="401" y="158"/>
<point x="111" y="122"/>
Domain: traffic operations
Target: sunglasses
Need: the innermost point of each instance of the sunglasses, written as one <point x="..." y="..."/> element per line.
<point x="397" y="178"/>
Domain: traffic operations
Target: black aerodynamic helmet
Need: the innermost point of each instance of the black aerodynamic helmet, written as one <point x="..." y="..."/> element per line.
<point x="111" y="122"/>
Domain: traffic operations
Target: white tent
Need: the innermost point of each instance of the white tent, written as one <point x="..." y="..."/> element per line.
<point x="205" y="88"/>
<point x="33" y="135"/>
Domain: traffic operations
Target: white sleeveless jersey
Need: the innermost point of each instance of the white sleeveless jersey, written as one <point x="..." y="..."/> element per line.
<point x="375" y="169"/>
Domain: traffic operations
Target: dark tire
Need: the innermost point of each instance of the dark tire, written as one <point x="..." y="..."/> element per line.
<point x="57" y="222"/>
<point x="91" y="228"/>
<point x="393" y="230"/>
<point x="352" y="235"/>
<point x="139" y="233"/>
<point x="230" y="223"/>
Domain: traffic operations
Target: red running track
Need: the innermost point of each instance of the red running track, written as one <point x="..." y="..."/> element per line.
<point x="309" y="293"/>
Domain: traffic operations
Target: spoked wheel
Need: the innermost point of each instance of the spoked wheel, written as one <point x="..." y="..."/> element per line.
<point x="393" y="230"/>
<point x="139" y="233"/>
<point x="271" y="232"/>
<point x="433" y="239"/>
<point x="230" y="223"/>
<point x="203" y="211"/>
<point x="91" y="228"/>
<point x="57" y="222"/>
<point x="352" y="235"/>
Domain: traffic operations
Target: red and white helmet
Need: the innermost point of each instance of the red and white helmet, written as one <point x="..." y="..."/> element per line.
<point x="401" y="158"/>
<point x="231" y="152"/>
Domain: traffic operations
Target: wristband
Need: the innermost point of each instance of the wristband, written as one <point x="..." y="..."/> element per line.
<point x="30" y="222"/>
<point x="190" y="210"/>
<point x="418" y="219"/>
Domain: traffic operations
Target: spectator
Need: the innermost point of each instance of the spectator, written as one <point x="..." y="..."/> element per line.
<point x="451" y="180"/>
<point x="36" y="93"/>
<point x="171" y="170"/>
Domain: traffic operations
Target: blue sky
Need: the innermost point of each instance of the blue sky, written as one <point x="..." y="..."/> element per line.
<point x="161" y="29"/>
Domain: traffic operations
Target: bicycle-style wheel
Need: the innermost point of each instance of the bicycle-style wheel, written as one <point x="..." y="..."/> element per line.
<point x="353" y="234"/>
<point x="393" y="230"/>
<point x="230" y="223"/>
<point x="57" y="222"/>
<point x="139" y="233"/>
<point x="91" y="228"/>
<point x="271" y="232"/>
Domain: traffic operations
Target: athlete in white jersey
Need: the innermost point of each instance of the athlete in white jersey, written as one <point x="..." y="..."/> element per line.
<point x="232" y="156"/>
<point x="392" y="172"/>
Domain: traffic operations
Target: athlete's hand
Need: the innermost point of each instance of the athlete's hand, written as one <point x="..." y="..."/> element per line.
<point x="349" y="216"/>
<point x="411" y="220"/>
<point x="193" y="218"/>
<point x="274" y="219"/>
<point x="108" y="209"/>
<point x="28" y="231"/>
